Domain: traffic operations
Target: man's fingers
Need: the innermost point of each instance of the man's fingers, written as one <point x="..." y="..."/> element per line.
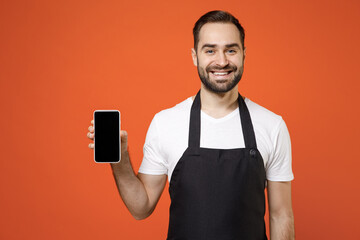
<point x="123" y="133"/>
<point x="90" y="135"/>
<point x="91" y="129"/>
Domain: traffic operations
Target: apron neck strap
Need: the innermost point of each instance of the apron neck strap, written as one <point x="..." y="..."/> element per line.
<point x="246" y="124"/>
<point x="195" y="123"/>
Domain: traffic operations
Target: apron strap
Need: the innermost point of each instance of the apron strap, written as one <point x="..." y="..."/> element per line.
<point x="246" y="124"/>
<point x="195" y="123"/>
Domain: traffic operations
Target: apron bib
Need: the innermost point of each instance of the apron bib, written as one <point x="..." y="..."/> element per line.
<point x="218" y="194"/>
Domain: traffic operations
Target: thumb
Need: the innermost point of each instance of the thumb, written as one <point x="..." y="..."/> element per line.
<point x="124" y="139"/>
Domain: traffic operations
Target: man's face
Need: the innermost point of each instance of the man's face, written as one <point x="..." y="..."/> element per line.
<point x="219" y="57"/>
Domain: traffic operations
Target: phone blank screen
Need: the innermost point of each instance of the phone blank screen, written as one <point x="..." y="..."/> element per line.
<point x="107" y="136"/>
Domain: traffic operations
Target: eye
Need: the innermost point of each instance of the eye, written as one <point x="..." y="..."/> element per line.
<point x="209" y="51"/>
<point x="231" y="51"/>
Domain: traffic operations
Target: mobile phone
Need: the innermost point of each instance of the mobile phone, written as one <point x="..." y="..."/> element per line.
<point x="107" y="143"/>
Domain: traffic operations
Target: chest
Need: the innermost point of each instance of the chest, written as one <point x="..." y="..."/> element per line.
<point x="217" y="134"/>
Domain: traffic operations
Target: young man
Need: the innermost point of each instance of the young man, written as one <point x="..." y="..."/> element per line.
<point x="217" y="149"/>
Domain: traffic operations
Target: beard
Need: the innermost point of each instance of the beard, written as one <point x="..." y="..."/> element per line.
<point x="212" y="85"/>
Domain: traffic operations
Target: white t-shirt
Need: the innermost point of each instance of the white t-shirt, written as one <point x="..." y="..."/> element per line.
<point x="167" y="139"/>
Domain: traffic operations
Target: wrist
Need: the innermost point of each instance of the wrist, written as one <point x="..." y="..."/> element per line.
<point x="121" y="166"/>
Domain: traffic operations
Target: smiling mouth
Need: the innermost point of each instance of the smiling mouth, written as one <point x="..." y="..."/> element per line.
<point x="222" y="73"/>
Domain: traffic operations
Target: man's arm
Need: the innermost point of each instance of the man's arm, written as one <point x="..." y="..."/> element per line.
<point x="139" y="193"/>
<point x="280" y="211"/>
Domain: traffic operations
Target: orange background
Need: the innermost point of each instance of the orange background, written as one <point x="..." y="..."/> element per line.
<point x="61" y="60"/>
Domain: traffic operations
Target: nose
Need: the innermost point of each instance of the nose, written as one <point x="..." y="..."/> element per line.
<point x="221" y="59"/>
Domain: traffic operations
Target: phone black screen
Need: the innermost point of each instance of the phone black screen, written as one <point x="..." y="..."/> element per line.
<point x="107" y="136"/>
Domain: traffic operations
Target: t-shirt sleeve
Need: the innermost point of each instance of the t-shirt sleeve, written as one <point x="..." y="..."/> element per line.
<point x="279" y="167"/>
<point x="153" y="161"/>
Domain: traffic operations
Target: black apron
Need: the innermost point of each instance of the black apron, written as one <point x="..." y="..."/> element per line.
<point x="218" y="194"/>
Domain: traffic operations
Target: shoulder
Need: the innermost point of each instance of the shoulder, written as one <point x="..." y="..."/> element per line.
<point x="262" y="117"/>
<point x="174" y="114"/>
<point x="169" y="131"/>
<point x="168" y="124"/>
<point x="172" y="122"/>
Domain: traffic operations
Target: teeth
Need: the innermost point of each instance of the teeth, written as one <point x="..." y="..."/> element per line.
<point x="220" y="73"/>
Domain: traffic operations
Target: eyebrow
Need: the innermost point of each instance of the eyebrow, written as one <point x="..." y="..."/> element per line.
<point x="214" y="45"/>
<point x="232" y="45"/>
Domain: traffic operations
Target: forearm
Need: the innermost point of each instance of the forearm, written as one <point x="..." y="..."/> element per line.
<point x="282" y="227"/>
<point x="131" y="189"/>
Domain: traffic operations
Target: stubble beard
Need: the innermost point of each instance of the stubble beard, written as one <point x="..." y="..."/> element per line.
<point x="212" y="86"/>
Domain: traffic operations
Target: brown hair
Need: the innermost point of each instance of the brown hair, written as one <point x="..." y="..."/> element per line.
<point x="214" y="17"/>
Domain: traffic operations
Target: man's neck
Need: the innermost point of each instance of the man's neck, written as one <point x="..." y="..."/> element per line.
<point x="218" y="105"/>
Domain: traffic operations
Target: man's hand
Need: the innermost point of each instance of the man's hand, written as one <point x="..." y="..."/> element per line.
<point x="139" y="193"/>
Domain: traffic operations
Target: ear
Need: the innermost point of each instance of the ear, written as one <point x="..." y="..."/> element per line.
<point x="244" y="54"/>
<point x="194" y="56"/>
